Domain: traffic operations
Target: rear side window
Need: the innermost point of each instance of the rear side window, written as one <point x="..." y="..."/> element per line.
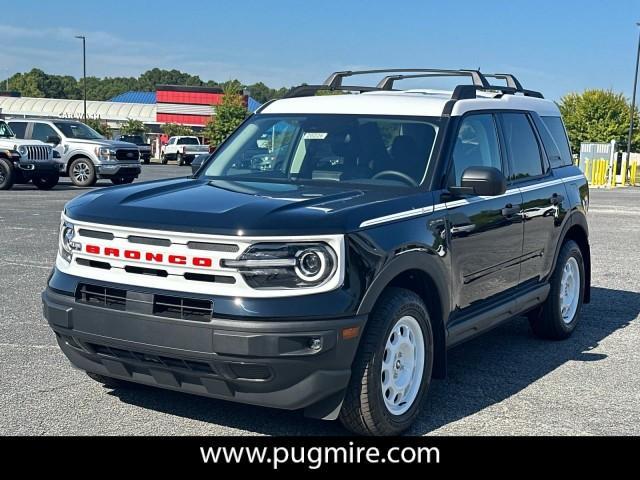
<point x="556" y="128"/>
<point x="522" y="146"/>
<point x="19" y="128"/>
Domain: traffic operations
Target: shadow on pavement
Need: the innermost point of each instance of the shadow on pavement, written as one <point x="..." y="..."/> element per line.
<point x="481" y="373"/>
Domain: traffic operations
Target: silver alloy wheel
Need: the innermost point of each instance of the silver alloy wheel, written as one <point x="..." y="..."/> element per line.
<point x="569" y="290"/>
<point x="81" y="172"/>
<point x="402" y="365"/>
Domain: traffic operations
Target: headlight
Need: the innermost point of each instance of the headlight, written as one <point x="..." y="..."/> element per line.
<point x="67" y="244"/>
<point x="286" y="265"/>
<point x="22" y="150"/>
<point x="105" y="153"/>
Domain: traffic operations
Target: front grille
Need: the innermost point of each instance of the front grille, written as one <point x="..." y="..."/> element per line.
<point x="127" y="154"/>
<point x="38" y="152"/>
<point x="182" y="308"/>
<point x="168" y="306"/>
<point x="152" y="360"/>
<point x="112" y="298"/>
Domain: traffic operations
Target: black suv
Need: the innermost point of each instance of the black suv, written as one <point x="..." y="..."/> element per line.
<point x="332" y="273"/>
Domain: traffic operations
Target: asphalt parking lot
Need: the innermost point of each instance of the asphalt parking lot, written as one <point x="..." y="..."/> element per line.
<point x="504" y="383"/>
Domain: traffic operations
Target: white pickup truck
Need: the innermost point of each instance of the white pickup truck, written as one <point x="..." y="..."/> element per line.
<point x="183" y="150"/>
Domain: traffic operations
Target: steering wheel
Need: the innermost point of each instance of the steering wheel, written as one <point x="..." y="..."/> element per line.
<point x="394" y="173"/>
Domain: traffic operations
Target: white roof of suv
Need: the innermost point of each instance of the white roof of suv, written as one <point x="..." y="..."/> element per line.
<point x="409" y="102"/>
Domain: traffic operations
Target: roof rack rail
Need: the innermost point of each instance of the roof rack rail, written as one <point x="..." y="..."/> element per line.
<point x="335" y="79"/>
<point x="511" y="80"/>
<point x="309" y="90"/>
<point x="462" y="92"/>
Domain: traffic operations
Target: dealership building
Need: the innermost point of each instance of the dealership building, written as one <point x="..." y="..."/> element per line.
<point x="185" y="105"/>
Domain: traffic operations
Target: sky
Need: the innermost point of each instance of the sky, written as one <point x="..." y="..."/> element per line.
<point x="556" y="47"/>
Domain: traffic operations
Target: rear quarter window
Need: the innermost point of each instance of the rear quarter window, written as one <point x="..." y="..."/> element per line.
<point x="559" y="134"/>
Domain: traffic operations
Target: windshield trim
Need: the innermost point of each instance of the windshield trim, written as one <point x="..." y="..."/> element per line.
<point x="424" y="185"/>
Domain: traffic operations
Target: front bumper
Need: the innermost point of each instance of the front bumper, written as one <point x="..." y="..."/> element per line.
<point x="108" y="170"/>
<point x="261" y="362"/>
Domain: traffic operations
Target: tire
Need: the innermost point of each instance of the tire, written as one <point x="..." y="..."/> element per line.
<point x="46" y="182"/>
<point x="108" y="381"/>
<point x="557" y="317"/>
<point x="146" y="161"/>
<point x="163" y="159"/>
<point x="122" y="180"/>
<point x="179" y="159"/>
<point x="7" y="175"/>
<point x="82" y="172"/>
<point x="364" y="409"/>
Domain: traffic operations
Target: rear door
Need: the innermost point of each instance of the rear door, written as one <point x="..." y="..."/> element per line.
<point x="485" y="232"/>
<point x="542" y="193"/>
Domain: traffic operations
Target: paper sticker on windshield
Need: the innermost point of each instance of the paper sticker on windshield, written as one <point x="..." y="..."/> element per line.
<point x="315" y="135"/>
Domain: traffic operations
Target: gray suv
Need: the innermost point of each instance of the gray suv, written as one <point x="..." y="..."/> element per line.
<point x="85" y="155"/>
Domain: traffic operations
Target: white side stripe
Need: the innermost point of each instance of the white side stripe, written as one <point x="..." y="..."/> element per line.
<point x="464" y="201"/>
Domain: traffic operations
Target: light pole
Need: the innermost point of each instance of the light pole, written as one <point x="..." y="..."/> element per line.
<point x="84" y="71"/>
<point x="633" y="100"/>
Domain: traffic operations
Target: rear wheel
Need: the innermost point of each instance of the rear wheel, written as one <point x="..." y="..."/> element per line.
<point x="82" y="172"/>
<point x="46" y="182"/>
<point x="392" y="371"/>
<point x="7" y="175"/>
<point x="557" y="318"/>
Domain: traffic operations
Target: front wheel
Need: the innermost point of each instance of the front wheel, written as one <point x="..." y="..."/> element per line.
<point x="163" y="159"/>
<point x="557" y="317"/>
<point x="82" y="172"/>
<point x="46" y="182"/>
<point x="179" y="159"/>
<point x="392" y="371"/>
<point x="7" y="175"/>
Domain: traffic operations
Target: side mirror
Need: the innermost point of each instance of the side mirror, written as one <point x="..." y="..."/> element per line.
<point x="53" y="139"/>
<point x="483" y="181"/>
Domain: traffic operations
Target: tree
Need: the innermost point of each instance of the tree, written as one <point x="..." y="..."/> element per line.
<point x="597" y="116"/>
<point x="174" y="130"/>
<point x="98" y="125"/>
<point x="133" y="127"/>
<point x="229" y="114"/>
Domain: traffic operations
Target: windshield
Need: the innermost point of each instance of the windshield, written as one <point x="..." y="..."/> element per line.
<point x="137" y="139"/>
<point x="5" y="130"/>
<point x="188" y="141"/>
<point x="362" y="149"/>
<point x="78" y="130"/>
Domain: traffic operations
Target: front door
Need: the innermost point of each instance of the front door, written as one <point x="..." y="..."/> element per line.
<point x="485" y="232"/>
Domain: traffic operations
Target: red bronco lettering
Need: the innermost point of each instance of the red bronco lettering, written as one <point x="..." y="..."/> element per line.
<point x="151" y="257"/>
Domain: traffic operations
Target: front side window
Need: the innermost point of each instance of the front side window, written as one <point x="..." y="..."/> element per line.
<point x="78" y="130"/>
<point x="19" y="128"/>
<point x="522" y="146"/>
<point x="476" y="146"/>
<point x="42" y="131"/>
<point x="377" y="151"/>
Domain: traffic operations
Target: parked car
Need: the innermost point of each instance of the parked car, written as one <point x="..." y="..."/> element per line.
<point x="335" y="278"/>
<point x="143" y="146"/>
<point x="24" y="161"/>
<point x="183" y="149"/>
<point x="85" y="155"/>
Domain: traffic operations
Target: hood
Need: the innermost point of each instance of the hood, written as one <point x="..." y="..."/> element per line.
<point x="103" y="142"/>
<point x="248" y="208"/>
<point x="10" y="142"/>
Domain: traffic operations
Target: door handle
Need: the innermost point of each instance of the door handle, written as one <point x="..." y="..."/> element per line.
<point x="556" y="199"/>
<point x="509" y="210"/>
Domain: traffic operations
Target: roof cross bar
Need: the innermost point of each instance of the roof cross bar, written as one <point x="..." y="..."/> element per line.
<point x="310" y="90"/>
<point x="462" y="92"/>
<point x="335" y="79"/>
<point x="511" y="80"/>
<point x="387" y="82"/>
